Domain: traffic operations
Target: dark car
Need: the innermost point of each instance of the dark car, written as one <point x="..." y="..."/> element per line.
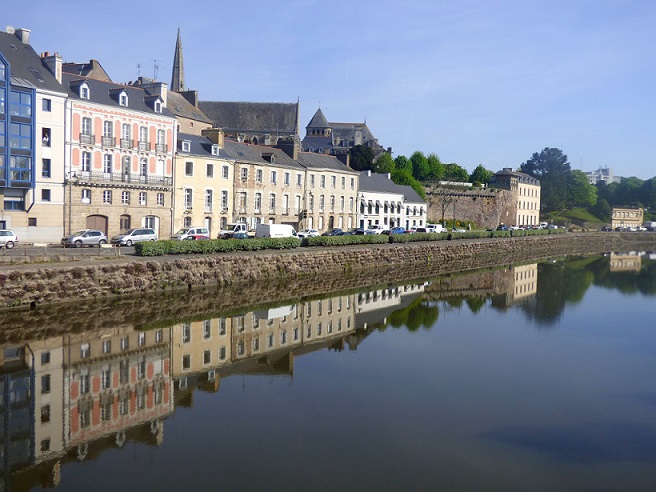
<point x="606" y="229"/>
<point x="503" y="227"/>
<point x="334" y="232"/>
<point x="240" y="235"/>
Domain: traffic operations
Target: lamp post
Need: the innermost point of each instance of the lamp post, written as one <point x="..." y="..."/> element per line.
<point x="454" y="215"/>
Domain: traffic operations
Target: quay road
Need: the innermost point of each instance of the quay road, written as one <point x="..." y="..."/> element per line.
<point x="51" y="250"/>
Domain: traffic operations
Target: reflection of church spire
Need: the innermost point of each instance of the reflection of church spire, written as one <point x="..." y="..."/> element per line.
<point x="177" y="78"/>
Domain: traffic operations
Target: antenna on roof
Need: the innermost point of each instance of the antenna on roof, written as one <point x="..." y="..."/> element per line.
<point x="155" y="68"/>
<point x="138" y="70"/>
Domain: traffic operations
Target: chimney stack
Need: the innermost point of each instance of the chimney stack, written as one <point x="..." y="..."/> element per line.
<point x="23" y="34"/>
<point x="53" y="63"/>
<point x="215" y="135"/>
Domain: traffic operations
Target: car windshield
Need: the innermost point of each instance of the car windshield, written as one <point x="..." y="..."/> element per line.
<point x="79" y="233"/>
<point x="182" y="231"/>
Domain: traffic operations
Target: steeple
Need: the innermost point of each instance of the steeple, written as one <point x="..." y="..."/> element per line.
<point x="177" y="78"/>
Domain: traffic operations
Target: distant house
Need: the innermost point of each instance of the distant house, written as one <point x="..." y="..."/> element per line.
<point x="338" y="139"/>
<point x="627" y="217"/>
<point x="525" y="189"/>
<point x="258" y="123"/>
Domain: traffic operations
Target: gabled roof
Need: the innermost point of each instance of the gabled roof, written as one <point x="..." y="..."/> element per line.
<point x="199" y="146"/>
<point x="180" y="107"/>
<point x="243" y="152"/>
<point x="378" y="183"/>
<point x="312" y="160"/>
<point x="262" y="117"/>
<point x="93" y="69"/>
<point x="26" y="68"/>
<point x="318" y="120"/>
<point x="101" y="92"/>
<point x="411" y="196"/>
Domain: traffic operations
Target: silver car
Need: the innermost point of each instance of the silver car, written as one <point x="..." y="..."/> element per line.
<point x="135" y="236"/>
<point x="85" y="237"/>
<point x="7" y="239"/>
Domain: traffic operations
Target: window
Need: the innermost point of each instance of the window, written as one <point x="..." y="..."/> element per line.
<point x="126" y="131"/>
<point x="45" y="168"/>
<point x="343" y="183"/>
<point x="106" y="346"/>
<point x="46" y="105"/>
<point x="322" y="181"/>
<point x="107" y="163"/>
<point x="207" y="357"/>
<point x="85" y="350"/>
<point x="341" y="203"/>
<point x="311" y="180"/>
<point x="158" y="106"/>
<point x="222" y="326"/>
<point x="209" y="199"/>
<point x="86" y="126"/>
<point x="86" y="161"/>
<point x="321" y="203"/>
<point x="188" y="198"/>
<point x="45" y="137"/>
<point x="123" y="99"/>
<point x="31" y="221"/>
<point x="207" y="329"/>
<point x="222" y="353"/>
<point x="258" y="202"/>
<point x="125" y="343"/>
<point x="45" y="358"/>
<point x="160" y="199"/>
<point x="45" y="413"/>
<point x="106" y="377"/>
<point x="189" y="168"/>
<point x="244" y="173"/>
<point x="186" y="146"/>
<point x="86" y="195"/>
<point x="124" y="222"/>
<point x="299" y="179"/>
<point x="143" y="166"/>
<point x="352" y="183"/>
<point x="186" y="362"/>
<point x="215" y="149"/>
<point x="141" y="339"/>
<point x="274" y="177"/>
<point x="256" y="344"/>
<point x="108" y="129"/>
<point x="224" y="199"/>
<point x="125" y="197"/>
<point x="287" y="179"/>
<point x="333" y="182"/>
<point x="45" y="384"/>
<point x="332" y="203"/>
<point x="20" y="136"/>
<point x="272" y="203"/>
<point x="210" y="170"/>
<point x="225" y="173"/>
<point x="45" y="195"/>
<point x="186" y="333"/>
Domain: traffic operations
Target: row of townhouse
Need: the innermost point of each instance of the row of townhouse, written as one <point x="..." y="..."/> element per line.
<point x="80" y="151"/>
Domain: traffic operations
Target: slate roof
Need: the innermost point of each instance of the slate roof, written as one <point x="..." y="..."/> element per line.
<point x="199" y="146"/>
<point x="312" y="160"/>
<point x="378" y="183"/>
<point x="248" y="117"/>
<point x="318" y="120"/>
<point x="101" y="92"/>
<point x="523" y="177"/>
<point x="244" y="152"/>
<point x="92" y="69"/>
<point x="411" y="196"/>
<point x="182" y="108"/>
<point x="26" y="69"/>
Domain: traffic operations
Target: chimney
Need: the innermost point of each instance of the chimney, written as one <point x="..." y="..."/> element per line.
<point x="53" y="63"/>
<point x="190" y="96"/>
<point x="389" y="175"/>
<point x="289" y="146"/>
<point x="368" y="172"/>
<point x="215" y="135"/>
<point x="153" y="88"/>
<point x="23" y="34"/>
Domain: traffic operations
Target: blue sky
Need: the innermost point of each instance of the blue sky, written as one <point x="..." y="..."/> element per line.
<point x="476" y="82"/>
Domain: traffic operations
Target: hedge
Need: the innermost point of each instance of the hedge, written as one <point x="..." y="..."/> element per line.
<point x="417" y="236"/>
<point x="343" y="240"/>
<point x="172" y="247"/>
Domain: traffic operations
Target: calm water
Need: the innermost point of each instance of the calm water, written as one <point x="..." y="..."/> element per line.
<point x="535" y="377"/>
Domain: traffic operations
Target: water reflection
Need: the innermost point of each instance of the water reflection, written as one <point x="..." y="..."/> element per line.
<point x="73" y="396"/>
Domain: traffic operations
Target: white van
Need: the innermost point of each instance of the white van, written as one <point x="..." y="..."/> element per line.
<point x="274" y="230"/>
<point x="435" y="228"/>
<point x="228" y="230"/>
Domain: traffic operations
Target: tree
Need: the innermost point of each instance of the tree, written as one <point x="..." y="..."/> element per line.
<point x="602" y="210"/>
<point x="402" y="163"/>
<point x="404" y="177"/>
<point x="552" y="169"/>
<point x="454" y="172"/>
<point x="420" y="169"/>
<point x="384" y="163"/>
<point x="362" y="158"/>
<point x="580" y="193"/>
<point x="480" y="175"/>
<point x="435" y="167"/>
<point x="648" y="193"/>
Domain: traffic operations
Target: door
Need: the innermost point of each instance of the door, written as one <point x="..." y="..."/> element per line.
<point x="97" y="222"/>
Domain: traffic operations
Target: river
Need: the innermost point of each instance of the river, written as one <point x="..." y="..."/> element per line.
<point x="537" y="376"/>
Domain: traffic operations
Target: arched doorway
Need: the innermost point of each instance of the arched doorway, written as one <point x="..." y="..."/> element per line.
<point x="331" y="223"/>
<point x="98" y="222"/>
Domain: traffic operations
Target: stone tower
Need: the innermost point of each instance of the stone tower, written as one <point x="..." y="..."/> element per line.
<point x="177" y="77"/>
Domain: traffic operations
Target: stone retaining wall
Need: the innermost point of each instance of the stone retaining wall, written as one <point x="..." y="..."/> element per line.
<point x="328" y="268"/>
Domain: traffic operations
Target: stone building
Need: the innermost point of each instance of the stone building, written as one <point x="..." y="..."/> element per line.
<point x="119" y="159"/>
<point x="203" y="182"/>
<point x="324" y="137"/>
<point x="32" y="140"/>
<point x="526" y="194"/>
<point x="627" y="217"/>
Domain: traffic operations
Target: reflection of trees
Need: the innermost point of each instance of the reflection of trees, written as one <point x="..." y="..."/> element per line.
<point x="475" y="303"/>
<point x="643" y="281"/>
<point x="416" y="315"/>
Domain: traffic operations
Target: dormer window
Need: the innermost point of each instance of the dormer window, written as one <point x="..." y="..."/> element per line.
<point x="85" y="92"/>
<point x="123" y="99"/>
<point x="158" y="106"/>
<point x="269" y="157"/>
<point x="186" y="146"/>
<point x="215" y="149"/>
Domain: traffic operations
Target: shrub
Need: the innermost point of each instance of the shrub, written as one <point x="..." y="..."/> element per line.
<point x="343" y="240"/>
<point x="160" y="248"/>
<point x="417" y="236"/>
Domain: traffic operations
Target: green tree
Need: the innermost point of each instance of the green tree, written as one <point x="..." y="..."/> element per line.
<point x="648" y="193"/>
<point x="435" y="167"/>
<point x="480" y="175"/>
<point x="402" y="163"/>
<point x="404" y="177"/>
<point x="420" y="169"/>
<point x="602" y="210"/>
<point x="384" y="163"/>
<point x="552" y="169"/>
<point x="580" y="193"/>
<point x="362" y="158"/>
<point x="454" y="172"/>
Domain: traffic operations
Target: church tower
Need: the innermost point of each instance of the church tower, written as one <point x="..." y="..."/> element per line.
<point x="177" y="78"/>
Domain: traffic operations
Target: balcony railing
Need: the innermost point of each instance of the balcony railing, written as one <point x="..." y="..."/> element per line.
<point x="99" y="177"/>
<point x="109" y="142"/>
<point x="127" y="143"/>
<point x="161" y="148"/>
<point x="87" y="139"/>
<point x="144" y="145"/>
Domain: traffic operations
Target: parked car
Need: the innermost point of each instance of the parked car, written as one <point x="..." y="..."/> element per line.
<point x="397" y="230"/>
<point x="362" y="232"/>
<point x="84" y="237"/>
<point x="307" y="233"/>
<point x="333" y="232"/>
<point x="228" y="230"/>
<point x="191" y="233"/>
<point x="378" y="228"/>
<point x="503" y="227"/>
<point x="135" y="236"/>
<point x="240" y="235"/>
<point x="7" y="238"/>
<point x="606" y="229"/>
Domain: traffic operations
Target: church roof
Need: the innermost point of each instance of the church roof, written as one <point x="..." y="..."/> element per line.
<point x="249" y="117"/>
<point x="318" y="120"/>
<point x="177" y="74"/>
<point x="182" y="108"/>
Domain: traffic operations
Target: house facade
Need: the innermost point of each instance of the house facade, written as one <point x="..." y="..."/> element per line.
<point x="32" y="105"/>
<point x="627" y="217"/>
<point x="204" y="183"/>
<point x="119" y="157"/>
<point x="526" y="195"/>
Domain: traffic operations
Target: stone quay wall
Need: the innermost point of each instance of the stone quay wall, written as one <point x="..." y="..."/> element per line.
<point x="327" y="268"/>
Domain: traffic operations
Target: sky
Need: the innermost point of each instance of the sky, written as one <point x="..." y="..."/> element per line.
<point x="486" y="82"/>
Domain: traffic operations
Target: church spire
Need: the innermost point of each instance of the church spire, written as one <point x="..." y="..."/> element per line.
<point x="177" y="78"/>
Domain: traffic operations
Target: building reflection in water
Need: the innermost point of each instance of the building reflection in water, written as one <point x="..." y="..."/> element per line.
<point x="74" y="396"/>
<point x="625" y="262"/>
